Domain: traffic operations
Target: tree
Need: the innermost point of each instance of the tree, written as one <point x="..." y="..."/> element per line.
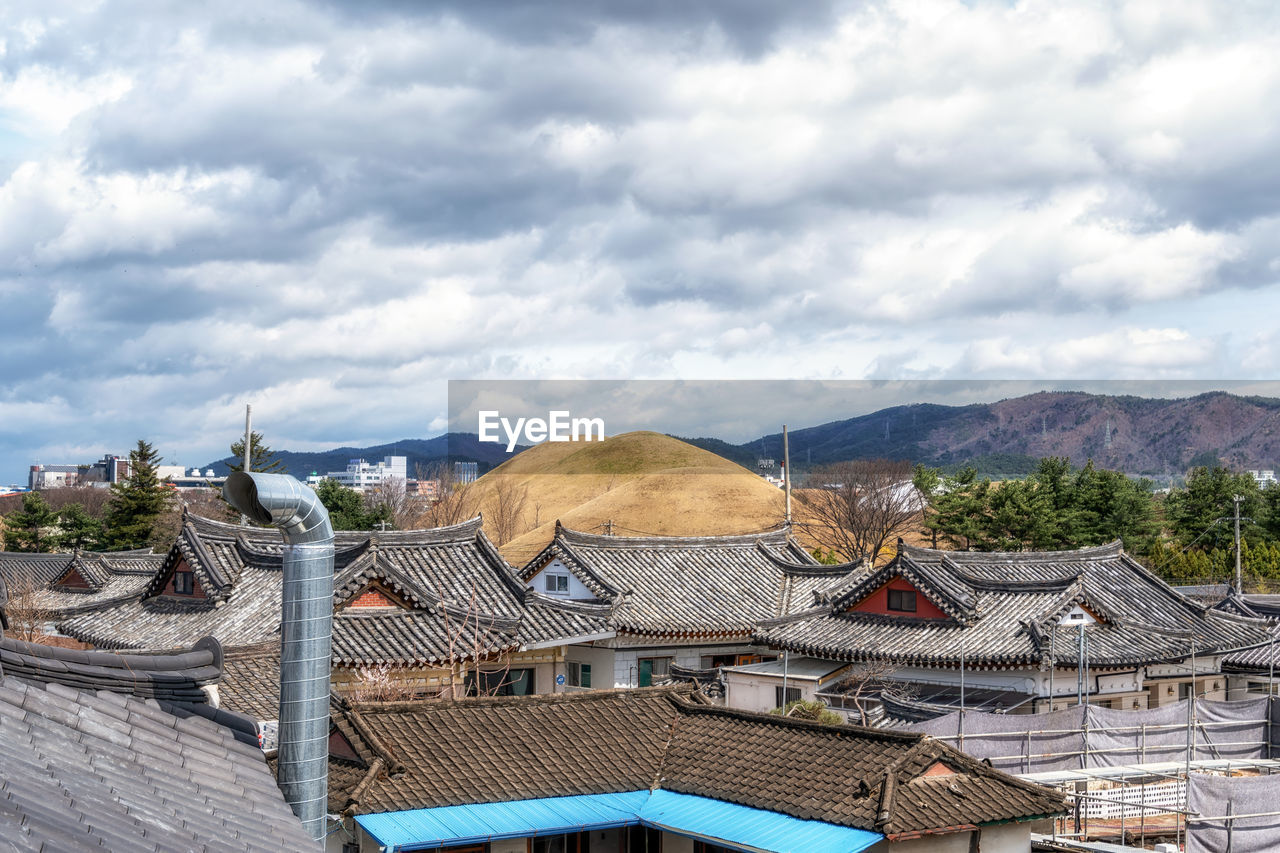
<point x="79" y="529"/>
<point x="958" y="508"/>
<point x="261" y="458"/>
<point x="814" y="711"/>
<point x="454" y="502"/>
<point x="855" y="508"/>
<point x="1271" y="510"/>
<point x="136" y="502"/>
<point x="347" y="510"/>
<point x="1193" y="512"/>
<point x="506" y="510"/>
<point x="32" y="528"/>
<point x="1109" y="506"/>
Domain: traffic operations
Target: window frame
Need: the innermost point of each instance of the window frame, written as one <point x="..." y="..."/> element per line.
<point x="898" y="598"/>
<point x="561" y="583"/>
<point x="184" y="583"/>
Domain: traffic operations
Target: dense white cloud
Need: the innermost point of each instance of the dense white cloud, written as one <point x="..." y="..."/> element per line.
<point x="330" y="208"/>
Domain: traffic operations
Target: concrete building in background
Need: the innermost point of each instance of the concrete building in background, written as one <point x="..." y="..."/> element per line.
<point x="361" y="475"/>
<point x="465" y="472"/>
<point x="107" y="470"/>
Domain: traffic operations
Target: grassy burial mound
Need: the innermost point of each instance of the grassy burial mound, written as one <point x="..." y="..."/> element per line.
<point x="644" y="482"/>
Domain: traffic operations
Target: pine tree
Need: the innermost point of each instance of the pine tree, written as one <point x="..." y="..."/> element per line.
<point x="136" y="502"/>
<point x="79" y="529"/>
<point x="32" y="528"/>
<point x="261" y="458"/>
<point x="347" y="510"/>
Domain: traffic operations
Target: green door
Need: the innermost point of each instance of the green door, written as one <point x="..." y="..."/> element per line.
<point x="646" y="672"/>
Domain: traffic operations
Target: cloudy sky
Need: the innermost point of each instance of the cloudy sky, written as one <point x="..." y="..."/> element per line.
<point x="329" y="209"/>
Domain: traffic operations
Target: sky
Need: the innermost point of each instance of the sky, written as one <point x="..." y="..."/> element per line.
<point x="330" y="209"/>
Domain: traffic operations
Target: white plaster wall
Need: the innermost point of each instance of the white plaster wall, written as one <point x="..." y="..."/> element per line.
<point x="626" y="671"/>
<point x="759" y="692"/>
<point x="578" y="591"/>
<point x="508" y="845"/>
<point x="1006" y="838"/>
<point x="602" y="666"/>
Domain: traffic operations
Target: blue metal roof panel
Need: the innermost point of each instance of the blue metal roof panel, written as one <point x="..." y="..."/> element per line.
<point x="752" y="829"/>
<point x="424" y="829"/>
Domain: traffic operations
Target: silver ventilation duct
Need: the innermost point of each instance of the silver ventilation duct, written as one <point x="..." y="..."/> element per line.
<point x="305" y="634"/>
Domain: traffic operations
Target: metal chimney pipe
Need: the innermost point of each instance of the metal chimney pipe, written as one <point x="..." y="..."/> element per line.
<point x="305" y="634"/>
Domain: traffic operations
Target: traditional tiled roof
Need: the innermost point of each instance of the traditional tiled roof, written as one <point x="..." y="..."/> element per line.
<point x="441" y="753"/>
<point x="1001" y="608"/>
<point x="175" y="677"/>
<point x="668" y="585"/>
<point x="250" y="682"/>
<point x="95" y="769"/>
<point x="99" y="579"/>
<point x="452" y="594"/>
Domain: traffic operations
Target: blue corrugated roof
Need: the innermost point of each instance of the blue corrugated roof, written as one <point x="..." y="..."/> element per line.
<point x="419" y="829"/>
<point x="685" y="814"/>
<point x="754" y="829"/>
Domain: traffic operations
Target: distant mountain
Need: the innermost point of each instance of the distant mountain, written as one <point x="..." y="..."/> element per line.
<point x="451" y="447"/>
<point x="1137" y="435"/>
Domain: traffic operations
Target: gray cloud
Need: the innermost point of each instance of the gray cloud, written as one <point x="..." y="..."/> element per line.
<point x="329" y="208"/>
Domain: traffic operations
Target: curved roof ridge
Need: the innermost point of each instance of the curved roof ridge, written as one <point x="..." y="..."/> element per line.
<point x="591" y="608"/>
<point x="1110" y="549"/>
<point x="776" y="535"/>
<point x="459" y="532"/>
<point x="814" y="569"/>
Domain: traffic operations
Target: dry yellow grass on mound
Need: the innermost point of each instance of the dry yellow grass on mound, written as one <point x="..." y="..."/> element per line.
<point x="644" y="482"/>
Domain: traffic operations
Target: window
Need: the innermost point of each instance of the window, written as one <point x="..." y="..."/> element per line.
<point x="652" y="668"/>
<point x="577" y="674"/>
<point x="793" y="695"/>
<point x="557" y="583"/>
<point x="902" y="600"/>
<point x="183" y="583"/>
<point x="508" y="682"/>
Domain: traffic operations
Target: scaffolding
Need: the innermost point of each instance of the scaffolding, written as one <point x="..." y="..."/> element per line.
<point x="1127" y="772"/>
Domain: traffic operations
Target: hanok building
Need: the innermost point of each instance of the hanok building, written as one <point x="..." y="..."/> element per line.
<point x="1019" y="625"/>
<point x="655" y="769"/>
<point x="424" y="604"/>
<point x="691" y="602"/>
<point x="47" y="588"/>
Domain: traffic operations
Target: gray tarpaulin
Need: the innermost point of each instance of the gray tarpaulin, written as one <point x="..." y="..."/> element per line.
<point x="1061" y="740"/>
<point x="1216" y="796"/>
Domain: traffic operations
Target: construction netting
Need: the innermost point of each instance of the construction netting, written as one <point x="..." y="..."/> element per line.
<point x="1089" y="736"/>
<point x="1236" y="814"/>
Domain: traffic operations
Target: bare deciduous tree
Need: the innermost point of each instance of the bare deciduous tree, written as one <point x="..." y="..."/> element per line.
<point x="24" y="611"/>
<point x="505" y="517"/>
<point x="392" y="494"/>
<point x="863" y="685"/>
<point x="454" y="502"/>
<point x="468" y="636"/>
<point x="855" y="508"/>
<point x="380" y="684"/>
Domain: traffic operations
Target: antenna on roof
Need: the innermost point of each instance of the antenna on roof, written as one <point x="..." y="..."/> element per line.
<point x="248" y="436"/>
<point x="786" y="473"/>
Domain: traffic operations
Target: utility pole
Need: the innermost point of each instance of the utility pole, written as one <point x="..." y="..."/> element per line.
<point x="786" y="471"/>
<point x="1239" y="575"/>
<point x="248" y="436"/>
<point x="608" y="527"/>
